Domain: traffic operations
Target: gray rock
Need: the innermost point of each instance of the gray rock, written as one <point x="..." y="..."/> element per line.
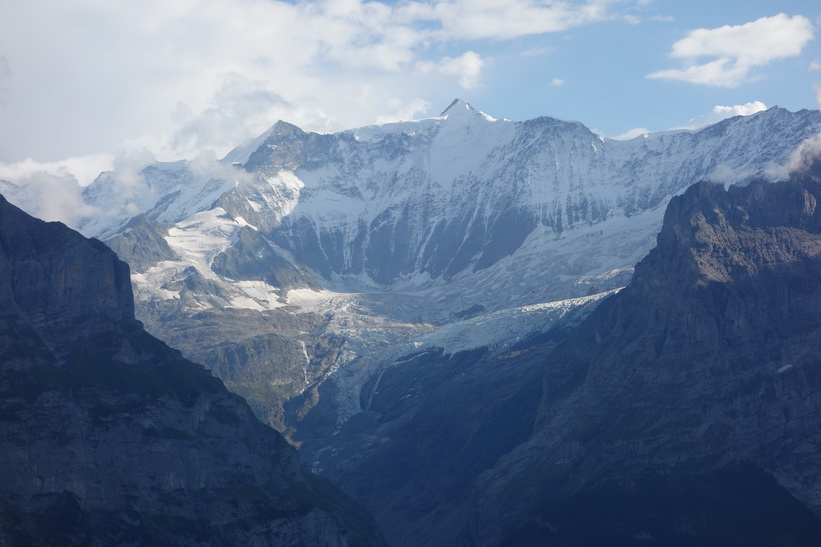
<point x="142" y="242"/>
<point x="251" y="257"/>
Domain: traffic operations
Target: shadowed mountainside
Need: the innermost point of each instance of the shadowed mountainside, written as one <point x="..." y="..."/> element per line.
<point x="108" y="436"/>
<point x="687" y="408"/>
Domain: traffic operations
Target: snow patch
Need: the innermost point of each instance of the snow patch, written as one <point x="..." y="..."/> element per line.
<point x="255" y="295"/>
<point x="202" y="236"/>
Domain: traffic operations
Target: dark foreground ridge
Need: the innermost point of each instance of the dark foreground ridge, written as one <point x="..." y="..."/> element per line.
<point x="686" y="410"/>
<point x="110" y="437"/>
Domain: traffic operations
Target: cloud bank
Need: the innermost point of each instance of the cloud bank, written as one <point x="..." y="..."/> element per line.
<point x="88" y="76"/>
<point x="177" y="77"/>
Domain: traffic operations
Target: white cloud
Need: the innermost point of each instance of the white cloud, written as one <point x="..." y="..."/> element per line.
<point x="815" y="65"/>
<point x="207" y="165"/>
<point x="737" y="50"/>
<point x="725" y="174"/>
<point x="404" y="111"/>
<point x="556" y="82"/>
<point x="802" y="157"/>
<point x="476" y="19"/>
<point x="240" y="107"/>
<point x="719" y="113"/>
<point x="175" y="78"/>
<point x="49" y="196"/>
<point x="467" y="67"/>
<point x="719" y="73"/>
<point x="82" y="169"/>
<point x="5" y="79"/>
<point x="632" y="134"/>
<point x="127" y="176"/>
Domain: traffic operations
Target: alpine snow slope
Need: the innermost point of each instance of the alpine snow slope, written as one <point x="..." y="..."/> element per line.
<point x="303" y="265"/>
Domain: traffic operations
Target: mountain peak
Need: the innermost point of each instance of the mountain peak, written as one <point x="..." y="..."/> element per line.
<point x="282" y="127"/>
<point x="456" y="107"/>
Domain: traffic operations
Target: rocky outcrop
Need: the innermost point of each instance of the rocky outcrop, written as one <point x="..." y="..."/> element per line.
<point x="258" y="356"/>
<point x="251" y="257"/>
<point x="143" y="243"/>
<point x="692" y="396"/>
<point x="57" y="286"/>
<point x="108" y="436"/>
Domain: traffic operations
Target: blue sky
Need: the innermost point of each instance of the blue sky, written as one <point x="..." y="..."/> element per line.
<point x="88" y="85"/>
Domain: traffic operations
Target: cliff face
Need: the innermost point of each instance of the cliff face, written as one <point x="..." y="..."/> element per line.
<point x="108" y="436"/>
<point x="56" y="284"/>
<point x="718" y="330"/>
<point x="669" y="412"/>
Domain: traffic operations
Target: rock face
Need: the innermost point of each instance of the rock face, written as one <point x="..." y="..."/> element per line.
<point x="687" y="408"/>
<point x="108" y="436"/>
<point x="431" y="425"/>
<point x="252" y="258"/>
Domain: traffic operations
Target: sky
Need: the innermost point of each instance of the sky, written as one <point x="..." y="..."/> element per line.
<point x="92" y="85"/>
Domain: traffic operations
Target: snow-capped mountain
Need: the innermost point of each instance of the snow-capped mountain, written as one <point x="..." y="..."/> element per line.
<point x="418" y="204"/>
<point x="343" y="251"/>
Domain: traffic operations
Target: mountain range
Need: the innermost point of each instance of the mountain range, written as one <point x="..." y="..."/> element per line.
<point x="434" y="312"/>
<point x="335" y="251"/>
<point x="685" y="409"/>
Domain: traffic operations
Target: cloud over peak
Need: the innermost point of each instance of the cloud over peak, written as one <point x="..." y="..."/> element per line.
<point x="177" y="77"/>
<point x="720" y="112"/>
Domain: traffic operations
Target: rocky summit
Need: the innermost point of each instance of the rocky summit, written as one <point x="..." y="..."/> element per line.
<point x="110" y="437"/>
